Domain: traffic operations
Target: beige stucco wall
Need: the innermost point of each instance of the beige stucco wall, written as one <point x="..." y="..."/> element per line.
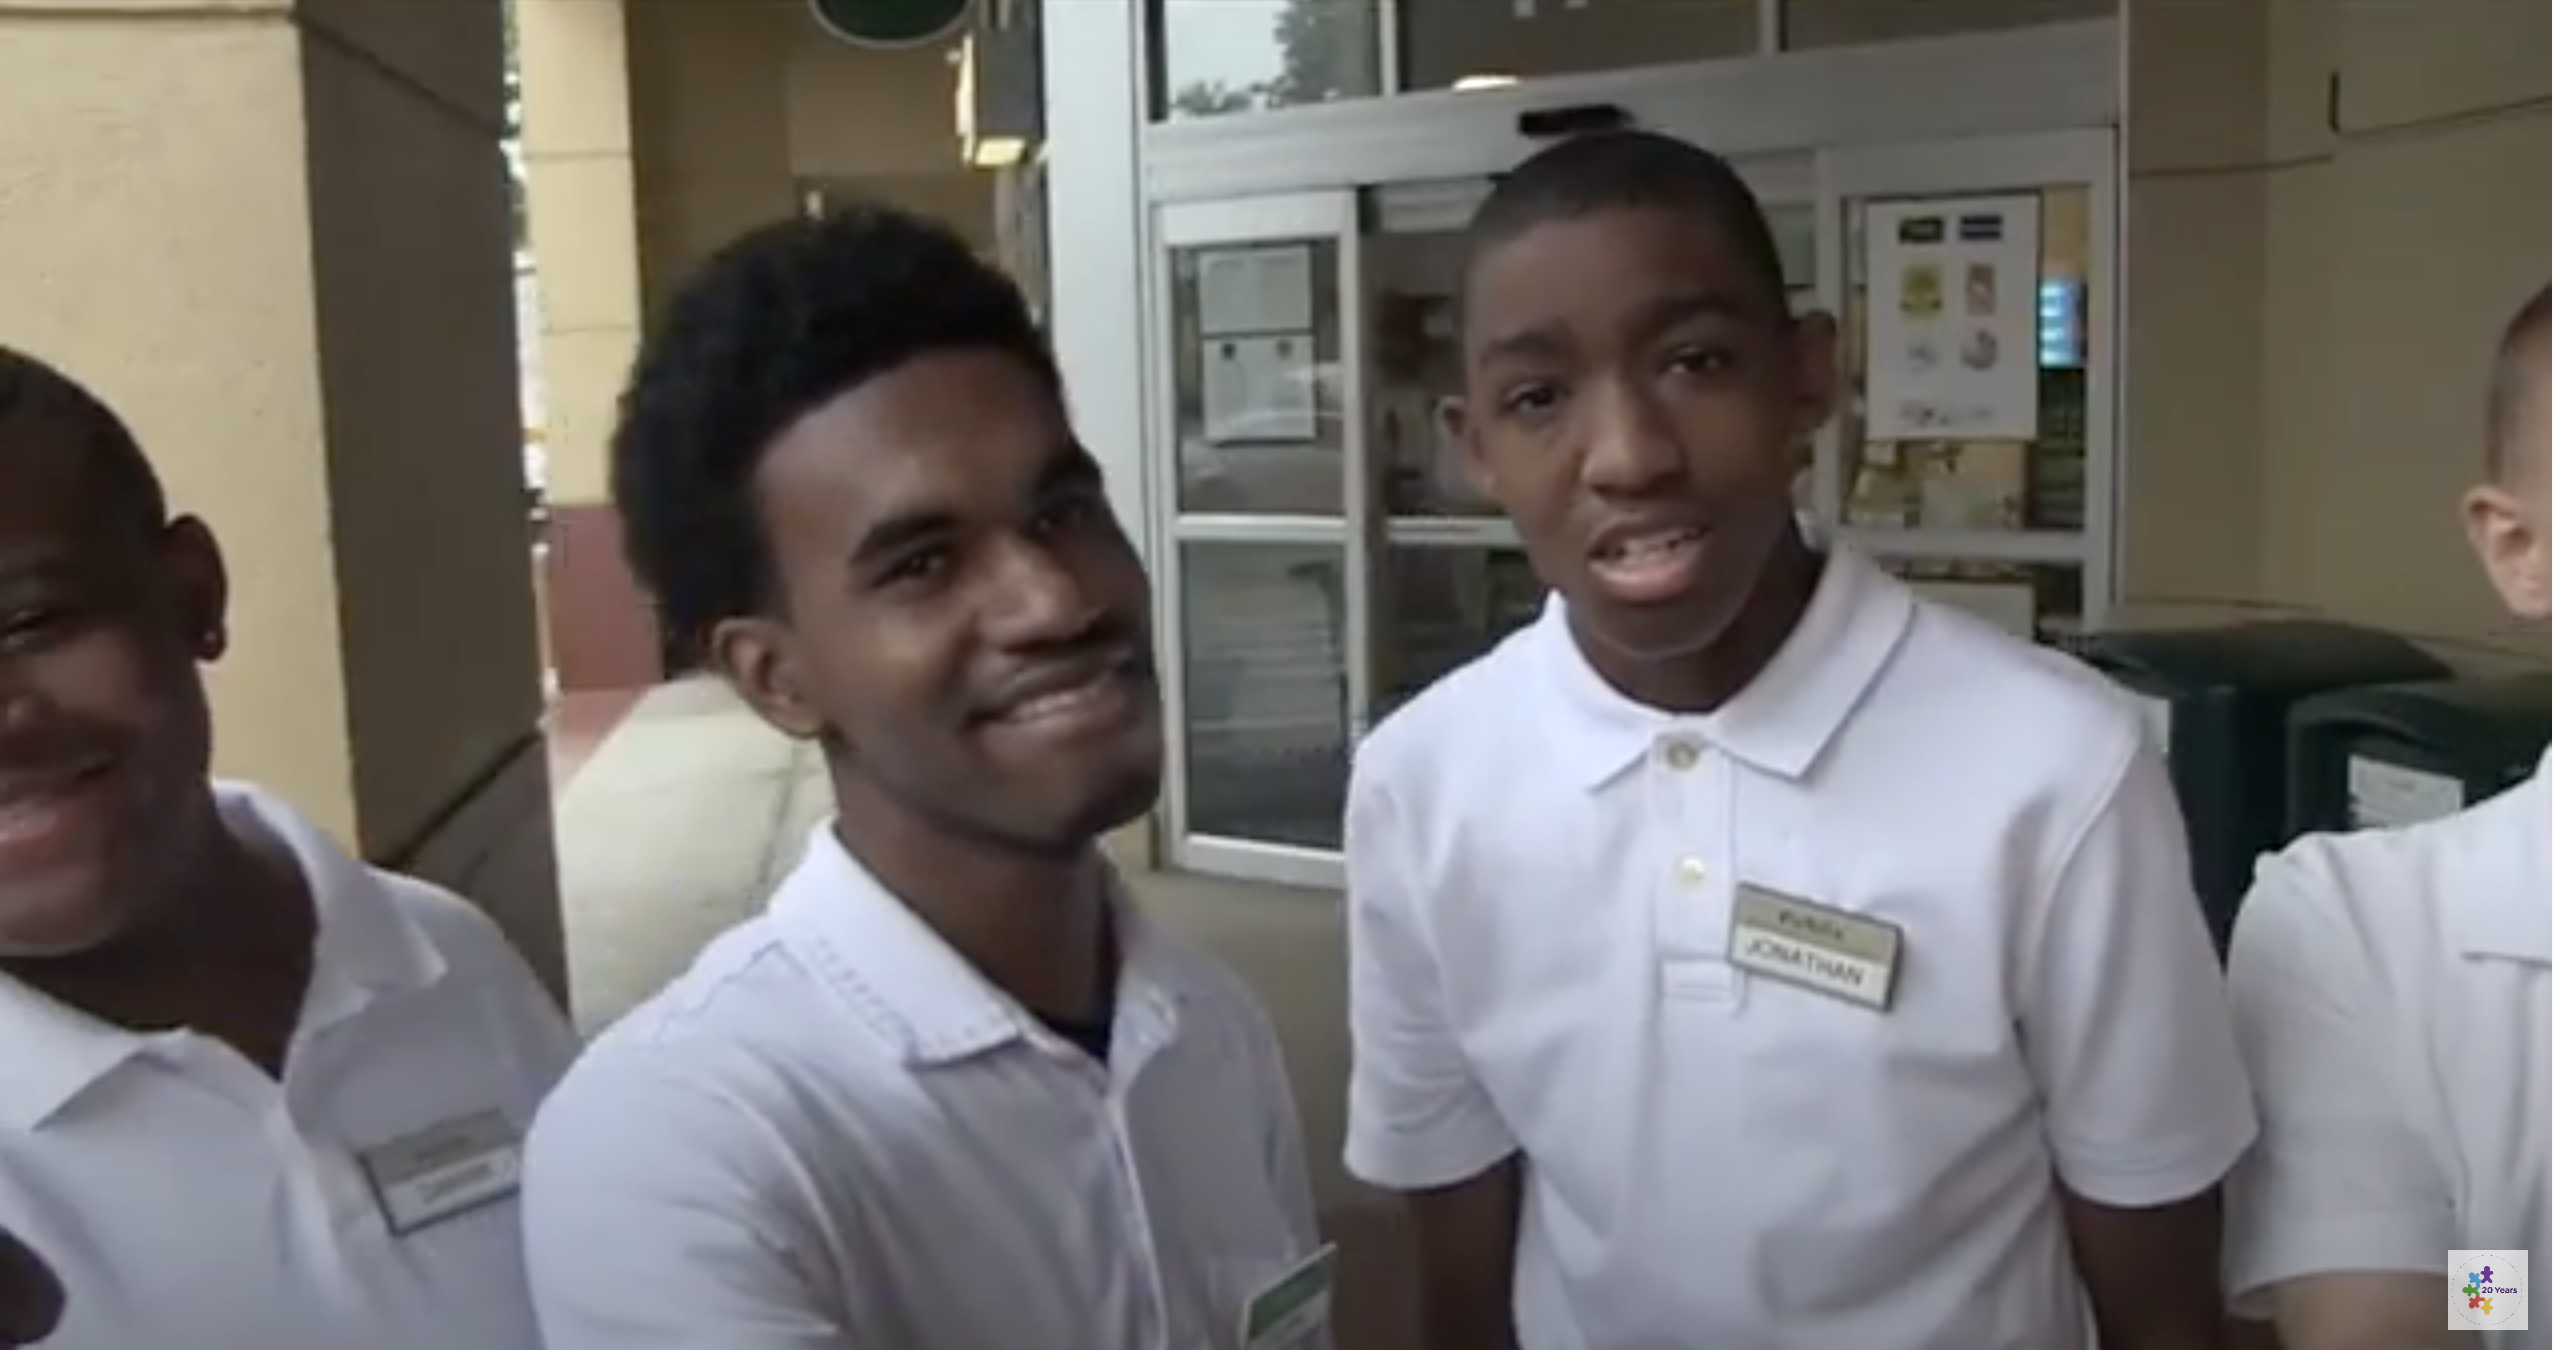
<point x="656" y="130"/>
<point x="275" y="237"/>
<point x="2311" y="313"/>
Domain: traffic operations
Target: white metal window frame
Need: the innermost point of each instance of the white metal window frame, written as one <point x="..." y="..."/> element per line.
<point x="2019" y="81"/>
<point x="1315" y="217"/>
<point x="2085" y="159"/>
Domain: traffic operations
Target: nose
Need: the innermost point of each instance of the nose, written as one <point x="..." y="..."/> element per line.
<point x="1037" y="598"/>
<point x="1631" y="449"/>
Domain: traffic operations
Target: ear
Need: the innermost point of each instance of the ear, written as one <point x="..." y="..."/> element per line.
<point x="1816" y="377"/>
<point x="2511" y="549"/>
<point x="1455" y="427"/>
<point x="199" y="587"/>
<point x="759" y="658"/>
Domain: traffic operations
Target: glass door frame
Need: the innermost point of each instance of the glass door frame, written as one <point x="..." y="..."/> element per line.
<point x="2086" y="159"/>
<point x="1332" y="216"/>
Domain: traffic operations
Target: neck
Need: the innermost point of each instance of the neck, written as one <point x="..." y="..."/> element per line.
<point x="1702" y="680"/>
<point x="1033" y="922"/>
<point x="221" y="918"/>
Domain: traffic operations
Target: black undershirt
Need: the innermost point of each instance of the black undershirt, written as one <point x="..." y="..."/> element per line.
<point x="1090" y="1036"/>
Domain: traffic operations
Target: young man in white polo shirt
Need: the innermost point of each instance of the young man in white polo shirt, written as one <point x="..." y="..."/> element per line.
<point x="951" y="1092"/>
<point x="253" y="1093"/>
<point x="2391" y="987"/>
<point x="1749" y="954"/>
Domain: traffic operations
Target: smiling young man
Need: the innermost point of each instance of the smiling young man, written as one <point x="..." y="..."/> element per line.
<point x="252" y="1092"/>
<point x="951" y="1092"/>
<point x="1749" y="953"/>
<point x="2392" y="989"/>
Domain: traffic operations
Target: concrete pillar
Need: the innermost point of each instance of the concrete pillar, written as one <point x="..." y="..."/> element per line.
<point x="581" y="191"/>
<point x="275" y="236"/>
<point x="2198" y="172"/>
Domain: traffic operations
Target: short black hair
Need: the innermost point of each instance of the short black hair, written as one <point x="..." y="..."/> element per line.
<point x="2518" y="375"/>
<point x="1630" y="171"/>
<point x="772" y="326"/>
<point x="38" y="400"/>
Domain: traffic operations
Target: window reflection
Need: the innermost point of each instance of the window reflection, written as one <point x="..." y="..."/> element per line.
<point x="1444" y="42"/>
<point x="1216" y="57"/>
<point x="1264" y="647"/>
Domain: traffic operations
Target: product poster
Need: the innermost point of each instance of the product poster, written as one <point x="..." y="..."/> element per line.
<point x="1260" y="389"/>
<point x="1954" y="319"/>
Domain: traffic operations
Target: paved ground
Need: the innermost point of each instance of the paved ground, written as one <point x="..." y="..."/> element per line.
<point x="678" y="812"/>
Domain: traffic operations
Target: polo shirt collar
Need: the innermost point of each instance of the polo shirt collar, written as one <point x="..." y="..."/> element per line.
<point x="366" y="947"/>
<point x="1780" y="723"/>
<point x="908" y="984"/>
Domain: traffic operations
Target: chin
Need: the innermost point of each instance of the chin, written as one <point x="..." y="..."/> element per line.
<point x="56" y="928"/>
<point x="1119" y="802"/>
<point x="1664" y="632"/>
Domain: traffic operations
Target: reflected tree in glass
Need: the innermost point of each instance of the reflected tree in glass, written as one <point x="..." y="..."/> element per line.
<point x="1320" y="50"/>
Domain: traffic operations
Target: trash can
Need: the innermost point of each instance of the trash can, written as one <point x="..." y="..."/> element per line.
<point x="2217" y="703"/>
<point x="2398" y="754"/>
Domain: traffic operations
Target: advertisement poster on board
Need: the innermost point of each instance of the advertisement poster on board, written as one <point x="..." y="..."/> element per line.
<point x="1954" y="319"/>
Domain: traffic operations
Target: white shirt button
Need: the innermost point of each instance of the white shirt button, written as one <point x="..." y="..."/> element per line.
<point x="1682" y="755"/>
<point x="1691" y="871"/>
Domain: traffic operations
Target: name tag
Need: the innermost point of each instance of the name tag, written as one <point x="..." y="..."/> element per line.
<point x="1293" y="1306"/>
<point x="446" y="1170"/>
<point x="1825" y="951"/>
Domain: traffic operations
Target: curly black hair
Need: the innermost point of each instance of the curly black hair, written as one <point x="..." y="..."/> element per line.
<point x="36" y="399"/>
<point x="775" y="324"/>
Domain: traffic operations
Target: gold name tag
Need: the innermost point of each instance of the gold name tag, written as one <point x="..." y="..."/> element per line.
<point x="1823" y="950"/>
<point x="445" y="1171"/>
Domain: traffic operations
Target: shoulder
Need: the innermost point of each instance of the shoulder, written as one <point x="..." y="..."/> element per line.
<point x="704" y="1077"/>
<point x="1455" y="726"/>
<point x="2042" y="696"/>
<point x="2047" y="750"/>
<point x="2367" y="898"/>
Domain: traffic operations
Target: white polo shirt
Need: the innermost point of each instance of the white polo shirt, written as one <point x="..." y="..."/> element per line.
<point x="2391" y="989"/>
<point x="1541" y="884"/>
<point x="833" y="1133"/>
<point x="191" y="1202"/>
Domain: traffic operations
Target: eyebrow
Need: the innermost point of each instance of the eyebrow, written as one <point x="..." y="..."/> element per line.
<point x="1068" y="466"/>
<point x="1546" y="341"/>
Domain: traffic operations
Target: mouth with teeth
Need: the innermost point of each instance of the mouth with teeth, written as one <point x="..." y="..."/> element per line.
<point x="1109" y="697"/>
<point x="1647" y="568"/>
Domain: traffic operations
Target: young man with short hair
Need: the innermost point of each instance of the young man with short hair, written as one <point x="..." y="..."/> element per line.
<point x="253" y="1093"/>
<point x="2391" y="988"/>
<point x="952" y="1091"/>
<point x="1748" y="953"/>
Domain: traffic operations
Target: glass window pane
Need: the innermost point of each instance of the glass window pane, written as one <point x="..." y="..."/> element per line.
<point x="1414" y="259"/>
<point x="1982" y="485"/>
<point x="1255" y="379"/>
<point x="1438" y="607"/>
<point x="1844" y="23"/>
<point x="1263" y="646"/>
<point x="1227" y="56"/>
<point x="1445" y="43"/>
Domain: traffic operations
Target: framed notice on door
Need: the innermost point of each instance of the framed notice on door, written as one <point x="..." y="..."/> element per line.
<point x="1954" y="319"/>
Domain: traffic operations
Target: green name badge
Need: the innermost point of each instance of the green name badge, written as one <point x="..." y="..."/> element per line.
<point x="1292" y="1306"/>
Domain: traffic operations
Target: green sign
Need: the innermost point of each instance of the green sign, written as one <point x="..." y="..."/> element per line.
<point x="891" y="23"/>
